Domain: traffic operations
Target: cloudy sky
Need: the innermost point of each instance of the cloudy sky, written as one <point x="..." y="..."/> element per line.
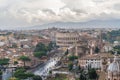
<point x="21" y="13"/>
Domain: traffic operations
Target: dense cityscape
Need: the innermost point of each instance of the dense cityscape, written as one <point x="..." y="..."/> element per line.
<point x="59" y="39"/>
<point x="60" y="54"/>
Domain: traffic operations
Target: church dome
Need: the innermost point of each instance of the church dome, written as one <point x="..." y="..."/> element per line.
<point x="114" y="67"/>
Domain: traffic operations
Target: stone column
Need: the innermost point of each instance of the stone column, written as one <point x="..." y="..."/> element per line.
<point x="76" y="50"/>
<point x="91" y="51"/>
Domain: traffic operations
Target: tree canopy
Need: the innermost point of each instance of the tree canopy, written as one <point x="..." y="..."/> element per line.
<point x="50" y="46"/>
<point x="117" y="48"/>
<point x="4" y="61"/>
<point x="112" y="36"/>
<point x="72" y="58"/>
<point x="22" y="74"/>
<point x="39" y="54"/>
<point x="70" y="66"/>
<point x="92" y="74"/>
<point x="24" y="59"/>
<point x="40" y="47"/>
<point x="67" y="52"/>
<point x="36" y="77"/>
<point x="97" y="50"/>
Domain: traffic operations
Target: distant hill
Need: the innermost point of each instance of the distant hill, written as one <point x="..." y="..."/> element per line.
<point x="89" y="24"/>
<point x="112" y="36"/>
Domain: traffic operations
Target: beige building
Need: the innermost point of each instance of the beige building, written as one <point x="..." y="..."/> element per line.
<point x="77" y="43"/>
<point x="90" y="61"/>
<point x="98" y="61"/>
<point x="66" y="39"/>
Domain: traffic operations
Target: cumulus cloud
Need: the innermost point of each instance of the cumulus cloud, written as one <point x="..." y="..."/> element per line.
<point x="35" y="12"/>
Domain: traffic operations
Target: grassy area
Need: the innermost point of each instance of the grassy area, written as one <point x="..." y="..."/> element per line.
<point x="59" y="77"/>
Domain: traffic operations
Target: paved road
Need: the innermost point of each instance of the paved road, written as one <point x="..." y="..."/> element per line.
<point x="49" y="65"/>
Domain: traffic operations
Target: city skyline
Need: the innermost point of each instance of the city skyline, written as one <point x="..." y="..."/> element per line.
<point x="27" y="13"/>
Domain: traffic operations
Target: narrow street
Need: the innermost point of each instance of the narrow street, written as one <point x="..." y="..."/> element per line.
<point x="44" y="69"/>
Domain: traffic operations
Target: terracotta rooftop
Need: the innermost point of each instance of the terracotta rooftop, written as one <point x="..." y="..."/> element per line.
<point x="98" y="56"/>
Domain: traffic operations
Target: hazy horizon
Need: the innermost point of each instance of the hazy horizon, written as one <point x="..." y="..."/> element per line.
<point x="16" y="14"/>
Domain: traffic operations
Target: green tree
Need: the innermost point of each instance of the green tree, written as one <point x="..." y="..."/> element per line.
<point x="40" y="47"/>
<point x="1" y="72"/>
<point x="97" y="50"/>
<point x="112" y="36"/>
<point x="116" y="48"/>
<point x="4" y="61"/>
<point x="36" y="77"/>
<point x="24" y="59"/>
<point x="50" y="46"/>
<point x="92" y="74"/>
<point x="39" y="54"/>
<point x="82" y="77"/>
<point x="70" y="66"/>
<point x="15" y="62"/>
<point x="66" y="52"/>
<point x="40" y="50"/>
<point x="22" y="74"/>
<point x="72" y="58"/>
